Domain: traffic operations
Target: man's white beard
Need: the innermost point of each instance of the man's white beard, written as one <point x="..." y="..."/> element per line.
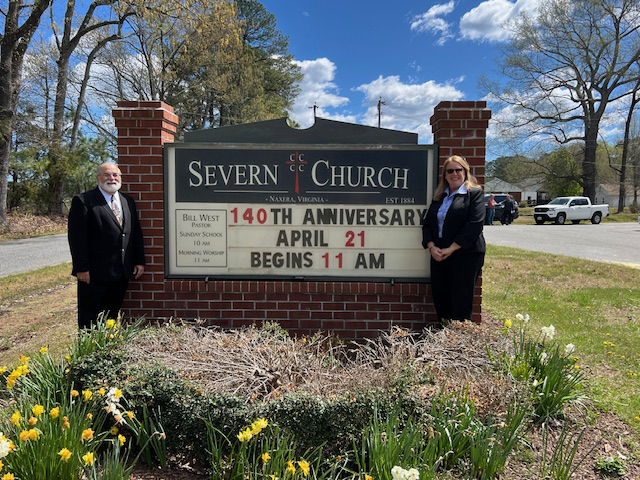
<point x="110" y="187"/>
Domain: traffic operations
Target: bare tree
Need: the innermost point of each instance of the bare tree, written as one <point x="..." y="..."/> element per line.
<point x="67" y="41"/>
<point x="565" y="65"/>
<point x="13" y="46"/>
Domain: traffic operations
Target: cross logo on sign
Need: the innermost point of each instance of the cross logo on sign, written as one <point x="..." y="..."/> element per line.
<point x="297" y="163"/>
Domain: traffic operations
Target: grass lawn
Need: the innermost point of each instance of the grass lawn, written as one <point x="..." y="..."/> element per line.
<point x="595" y="306"/>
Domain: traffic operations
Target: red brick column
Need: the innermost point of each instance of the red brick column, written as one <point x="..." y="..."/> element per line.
<point x="143" y="128"/>
<point x="460" y="128"/>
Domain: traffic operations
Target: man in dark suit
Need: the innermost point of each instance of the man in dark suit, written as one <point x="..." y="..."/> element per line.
<point x="507" y="212"/>
<point x="106" y="245"/>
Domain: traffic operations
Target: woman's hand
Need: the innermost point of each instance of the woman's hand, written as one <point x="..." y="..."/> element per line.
<point x="436" y="253"/>
<point x="440" y="254"/>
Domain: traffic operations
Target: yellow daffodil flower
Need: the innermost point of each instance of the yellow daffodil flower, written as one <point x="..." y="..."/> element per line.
<point x="38" y="410"/>
<point x="65" y="454"/>
<point x="304" y="466"/>
<point x="88" y="459"/>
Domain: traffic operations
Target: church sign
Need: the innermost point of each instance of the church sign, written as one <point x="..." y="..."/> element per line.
<point x="297" y="210"/>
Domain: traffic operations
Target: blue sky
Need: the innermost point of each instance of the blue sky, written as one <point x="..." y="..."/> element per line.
<point x="411" y="53"/>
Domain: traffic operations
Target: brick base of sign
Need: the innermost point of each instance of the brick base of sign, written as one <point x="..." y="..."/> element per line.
<point x="351" y="310"/>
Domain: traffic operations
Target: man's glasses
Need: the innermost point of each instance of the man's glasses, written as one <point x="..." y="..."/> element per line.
<point x="457" y="170"/>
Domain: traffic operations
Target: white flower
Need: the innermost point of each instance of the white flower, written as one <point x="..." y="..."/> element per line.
<point x="523" y="318"/>
<point x="535" y="383"/>
<point x="543" y="357"/>
<point x="548" y="332"/>
<point x="413" y="474"/>
<point x="569" y="349"/>
<point x="397" y="473"/>
<point x="5" y="446"/>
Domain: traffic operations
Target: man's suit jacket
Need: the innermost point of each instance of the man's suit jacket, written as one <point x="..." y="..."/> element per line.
<point x="98" y="243"/>
<point x="463" y="223"/>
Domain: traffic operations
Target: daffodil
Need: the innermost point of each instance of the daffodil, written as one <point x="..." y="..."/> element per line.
<point x="38" y="410"/>
<point x="548" y="332"/>
<point x="87" y="394"/>
<point x="111" y="324"/>
<point x="16" y="418"/>
<point x="88" y="459"/>
<point x="5" y="446"/>
<point x="266" y="457"/>
<point x="122" y="439"/>
<point x="34" y="434"/>
<point x="245" y="435"/>
<point x="113" y="431"/>
<point x="33" y="421"/>
<point x="569" y="348"/>
<point x="508" y="323"/>
<point x="44" y="350"/>
<point x="65" y="454"/>
<point x="24" y="436"/>
<point x="131" y="415"/>
<point x="290" y="467"/>
<point x="304" y="466"/>
<point x="8" y="476"/>
<point x="75" y="393"/>
<point x="87" y="434"/>
<point x="55" y="412"/>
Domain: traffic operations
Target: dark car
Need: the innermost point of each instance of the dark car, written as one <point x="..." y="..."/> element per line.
<point x="499" y="198"/>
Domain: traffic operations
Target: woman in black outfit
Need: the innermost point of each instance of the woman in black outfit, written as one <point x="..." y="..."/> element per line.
<point x="452" y="231"/>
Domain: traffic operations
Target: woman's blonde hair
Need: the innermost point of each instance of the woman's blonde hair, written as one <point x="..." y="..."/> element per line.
<point x="469" y="180"/>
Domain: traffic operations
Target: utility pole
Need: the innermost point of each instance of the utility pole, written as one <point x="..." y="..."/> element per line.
<point x="315" y="107"/>
<point x="380" y="103"/>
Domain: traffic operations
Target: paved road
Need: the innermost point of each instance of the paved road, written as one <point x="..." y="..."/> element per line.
<point x="607" y="242"/>
<point x="18" y="256"/>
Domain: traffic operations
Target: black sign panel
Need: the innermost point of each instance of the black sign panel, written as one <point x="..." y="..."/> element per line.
<point x="307" y="176"/>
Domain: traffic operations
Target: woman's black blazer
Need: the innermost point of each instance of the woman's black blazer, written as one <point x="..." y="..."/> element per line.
<point x="463" y="223"/>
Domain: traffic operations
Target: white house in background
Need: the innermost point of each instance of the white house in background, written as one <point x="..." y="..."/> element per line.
<point x="495" y="185"/>
<point x="608" y="193"/>
<point x="533" y="191"/>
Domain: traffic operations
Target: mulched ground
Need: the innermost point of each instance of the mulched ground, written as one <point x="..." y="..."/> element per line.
<point x="461" y="345"/>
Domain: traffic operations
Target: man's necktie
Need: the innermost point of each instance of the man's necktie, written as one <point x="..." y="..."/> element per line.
<point x="116" y="210"/>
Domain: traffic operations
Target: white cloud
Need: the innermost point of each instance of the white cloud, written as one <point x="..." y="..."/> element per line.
<point x="487" y="21"/>
<point x="317" y="88"/>
<point x="407" y="107"/>
<point x="430" y="21"/>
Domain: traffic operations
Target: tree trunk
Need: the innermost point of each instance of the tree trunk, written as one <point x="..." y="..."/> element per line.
<point x="589" y="161"/>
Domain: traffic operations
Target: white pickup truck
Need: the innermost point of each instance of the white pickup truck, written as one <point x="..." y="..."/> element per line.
<point x="561" y="209"/>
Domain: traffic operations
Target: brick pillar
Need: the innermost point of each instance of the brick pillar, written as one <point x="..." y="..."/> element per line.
<point x="460" y="128"/>
<point x="143" y="128"/>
